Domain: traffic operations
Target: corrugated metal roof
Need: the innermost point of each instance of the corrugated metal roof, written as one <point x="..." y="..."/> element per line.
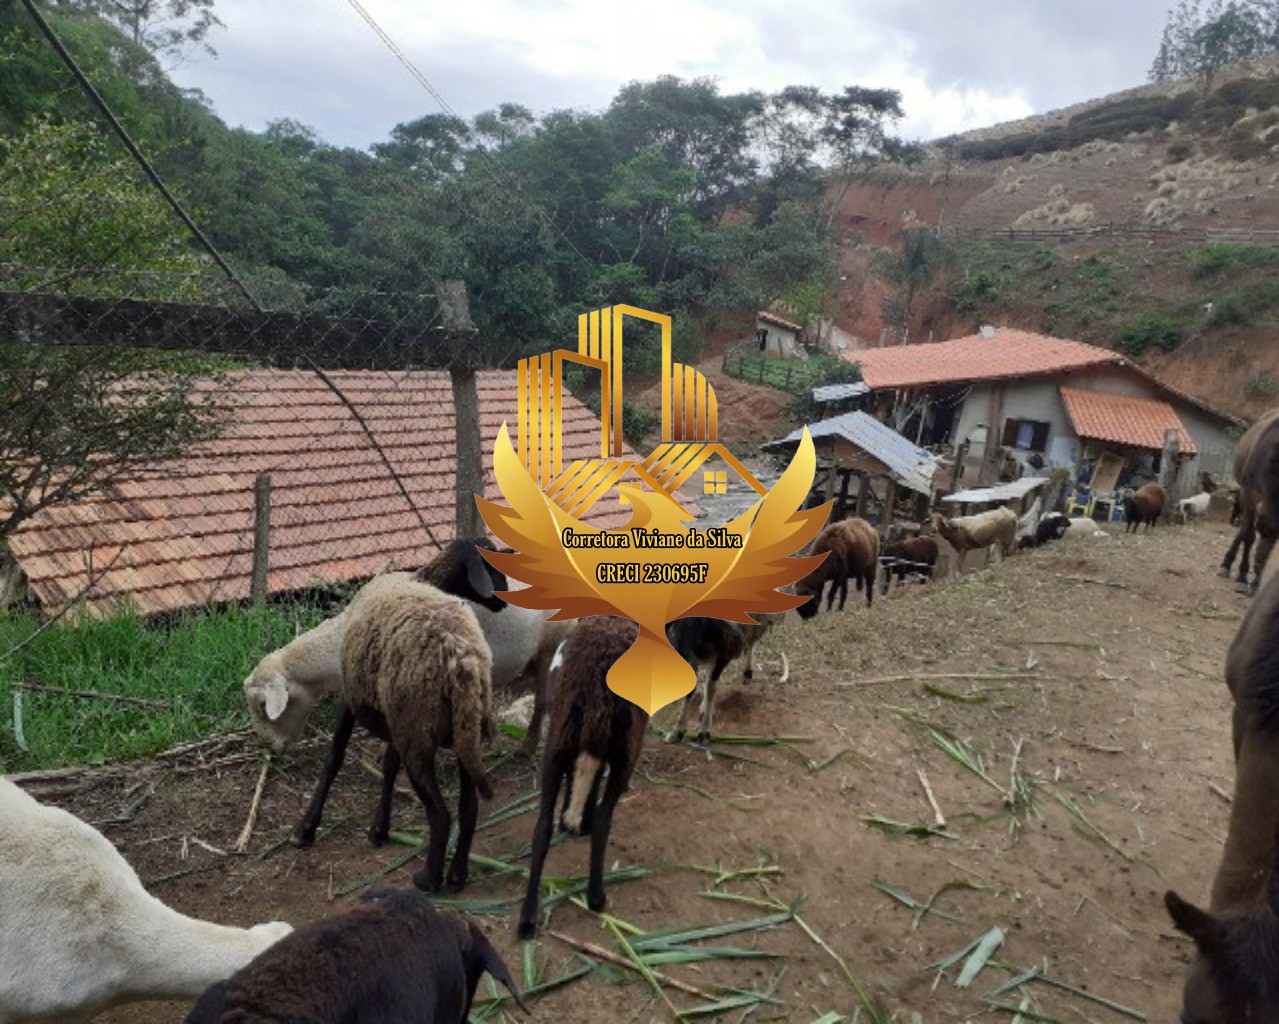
<point x="999" y="492"/>
<point x="1124" y="419"/>
<point x="183" y="535"/>
<point x="910" y="466"/>
<point x="837" y="392"/>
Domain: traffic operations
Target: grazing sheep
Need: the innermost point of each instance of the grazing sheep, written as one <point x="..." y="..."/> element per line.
<point x="986" y="529"/>
<point x="1235" y="976"/>
<point x="393" y="958"/>
<point x="80" y="934"/>
<point x="1053" y="526"/>
<point x="1257" y="476"/>
<point x="913" y="555"/>
<point x="704" y="641"/>
<point x="854" y="554"/>
<point x="415" y="671"/>
<point x="523" y="643"/>
<point x="590" y="728"/>
<point x="287" y="683"/>
<point x="1144" y="505"/>
<point x="1194" y="507"/>
<point x="1084" y="526"/>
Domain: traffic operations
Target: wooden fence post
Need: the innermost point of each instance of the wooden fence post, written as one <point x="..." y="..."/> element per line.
<point x="1168" y="462"/>
<point x="261" y="536"/>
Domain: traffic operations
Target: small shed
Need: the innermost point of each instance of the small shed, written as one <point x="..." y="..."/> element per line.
<point x="1018" y="491"/>
<point x="778" y="336"/>
<point x="858" y="445"/>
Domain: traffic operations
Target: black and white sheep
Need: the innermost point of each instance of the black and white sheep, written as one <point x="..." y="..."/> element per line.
<point x="79" y="933"/>
<point x="590" y="729"/>
<point x="393" y="958"/>
<point x="416" y="672"/>
<point x="1051" y="527"/>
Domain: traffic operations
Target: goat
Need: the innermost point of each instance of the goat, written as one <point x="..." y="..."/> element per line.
<point x="393" y="958"/>
<point x="853" y="547"/>
<point x="1194" y="507"/>
<point x="590" y="728"/>
<point x="1257" y="477"/>
<point x="80" y="934"/>
<point x="1144" y="505"/>
<point x="1235" y="976"/>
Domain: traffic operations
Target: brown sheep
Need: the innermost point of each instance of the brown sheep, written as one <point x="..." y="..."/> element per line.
<point x="969" y="533"/>
<point x="591" y="728"/>
<point x="1144" y="505"/>
<point x="1257" y="502"/>
<point x="854" y="554"/>
<point x="1235" y="976"/>
<point x="914" y="554"/>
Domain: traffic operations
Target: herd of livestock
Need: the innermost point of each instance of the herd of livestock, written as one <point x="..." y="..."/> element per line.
<point x="414" y="657"/>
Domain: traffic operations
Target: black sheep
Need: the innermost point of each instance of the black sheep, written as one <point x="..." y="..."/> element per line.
<point x="1053" y="526"/>
<point x="391" y="959"/>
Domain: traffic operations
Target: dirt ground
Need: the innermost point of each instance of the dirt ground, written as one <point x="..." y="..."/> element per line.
<point x="1097" y="665"/>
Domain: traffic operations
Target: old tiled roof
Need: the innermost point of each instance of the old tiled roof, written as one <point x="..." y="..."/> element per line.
<point x="1124" y="419"/>
<point x="1010" y="353"/>
<point x="183" y="536"/>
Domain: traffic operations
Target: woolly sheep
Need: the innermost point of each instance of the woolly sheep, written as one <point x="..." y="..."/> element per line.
<point x="590" y="728"/>
<point x="995" y="528"/>
<point x="854" y="554"/>
<point x="1145" y="505"/>
<point x="287" y="683"/>
<point x="1194" y="507"/>
<point x="393" y="958"/>
<point x="416" y="672"/>
<point x="704" y="641"/>
<point x="80" y="934"/>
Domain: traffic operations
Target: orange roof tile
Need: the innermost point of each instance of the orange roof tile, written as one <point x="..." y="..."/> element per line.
<point x="1124" y="419"/>
<point x="182" y="535"/>
<point x="1010" y="353"/>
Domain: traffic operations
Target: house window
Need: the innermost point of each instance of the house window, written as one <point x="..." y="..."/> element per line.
<point x="1026" y="435"/>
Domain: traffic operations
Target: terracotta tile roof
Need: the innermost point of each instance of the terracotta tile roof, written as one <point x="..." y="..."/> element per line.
<point x="1010" y="353"/>
<point x="183" y="535"/>
<point x="1124" y="419"/>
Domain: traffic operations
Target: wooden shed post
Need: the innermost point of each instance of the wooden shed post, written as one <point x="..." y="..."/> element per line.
<point x="1168" y="462"/>
<point x="261" y="536"/>
<point x="890" y="499"/>
<point x="863" y="494"/>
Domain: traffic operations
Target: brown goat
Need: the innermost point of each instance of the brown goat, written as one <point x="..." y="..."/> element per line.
<point x="970" y="533"/>
<point x="1235" y="976"/>
<point x="854" y="554"/>
<point x="1144" y="505"/>
<point x="1257" y="476"/>
<point x="591" y="728"/>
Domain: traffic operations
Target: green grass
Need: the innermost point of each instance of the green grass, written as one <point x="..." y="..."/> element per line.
<point x="193" y="664"/>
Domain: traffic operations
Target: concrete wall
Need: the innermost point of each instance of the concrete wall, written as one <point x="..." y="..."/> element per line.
<point x="1039" y="399"/>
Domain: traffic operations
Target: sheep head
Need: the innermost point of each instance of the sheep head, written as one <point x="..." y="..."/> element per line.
<point x="278" y="707"/>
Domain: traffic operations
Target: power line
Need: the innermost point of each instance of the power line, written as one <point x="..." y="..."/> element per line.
<point x="137" y="154"/>
<point x="485" y="157"/>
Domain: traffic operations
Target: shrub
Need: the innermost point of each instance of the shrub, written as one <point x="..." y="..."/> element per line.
<point x="1154" y="330"/>
<point x="1212" y="260"/>
<point x="1262" y="384"/>
<point x="1229" y="309"/>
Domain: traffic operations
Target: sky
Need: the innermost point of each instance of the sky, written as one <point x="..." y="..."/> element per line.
<point x="959" y="64"/>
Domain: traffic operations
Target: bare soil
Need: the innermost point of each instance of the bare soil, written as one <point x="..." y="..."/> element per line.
<point x="1099" y="661"/>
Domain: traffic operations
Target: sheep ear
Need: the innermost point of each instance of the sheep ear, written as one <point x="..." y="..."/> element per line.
<point x="477" y="574"/>
<point x="1209" y="933"/>
<point x="492" y="962"/>
<point x="277" y="699"/>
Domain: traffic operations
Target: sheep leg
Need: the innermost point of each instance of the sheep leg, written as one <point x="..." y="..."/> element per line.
<point x="304" y="834"/>
<point x="618" y="774"/>
<point x="708" y="700"/>
<point x="382" y="821"/>
<point x="552" y="776"/>
<point x="468" y="813"/>
<point x="843" y="592"/>
<point x="588" y="808"/>
<point x="531" y="739"/>
<point x="421" y="769"/>
<point x="868" y="581"/>
<point x="678" y="735"/>
<point x="1248" y="528"/>
<point x="1228" y="562"/>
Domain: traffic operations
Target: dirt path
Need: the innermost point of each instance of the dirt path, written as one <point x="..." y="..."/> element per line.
<point x="1096" y="664"/>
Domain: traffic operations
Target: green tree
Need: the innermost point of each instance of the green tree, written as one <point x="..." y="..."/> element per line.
<point x="1198" y="40"/>
<point x="168" y="29"/>
<point x="75" y="221"/>
<point x="911" y="269"/>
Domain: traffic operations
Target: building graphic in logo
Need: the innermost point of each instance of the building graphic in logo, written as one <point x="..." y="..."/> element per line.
<point x="655" y="569"/>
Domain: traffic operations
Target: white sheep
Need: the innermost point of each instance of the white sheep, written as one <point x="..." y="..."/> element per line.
<point x="1194" y="507"/>
<point x="80" y="934"/>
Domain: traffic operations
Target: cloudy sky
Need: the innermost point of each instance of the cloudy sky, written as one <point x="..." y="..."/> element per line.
<point x="958" y="63"/>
